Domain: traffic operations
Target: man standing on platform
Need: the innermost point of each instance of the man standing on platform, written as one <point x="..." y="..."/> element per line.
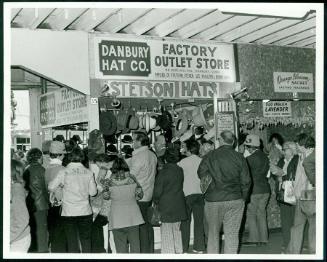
<point x="226" y="194"/>
<point x="143" y="166"/>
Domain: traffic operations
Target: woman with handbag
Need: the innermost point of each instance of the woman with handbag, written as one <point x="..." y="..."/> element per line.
<point x="124" y="215"/>
<point x="284" y="173"/>
<point x="169" y="196"/>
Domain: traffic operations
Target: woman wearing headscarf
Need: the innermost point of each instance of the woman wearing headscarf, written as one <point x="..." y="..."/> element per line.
<point x="169" y="196"/>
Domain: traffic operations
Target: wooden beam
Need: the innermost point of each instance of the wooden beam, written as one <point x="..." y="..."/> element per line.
<point x="296" y="37"/>
<point x="305" y="42"/>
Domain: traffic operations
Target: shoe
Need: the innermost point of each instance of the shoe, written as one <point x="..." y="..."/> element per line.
<point x="250" y="244"/>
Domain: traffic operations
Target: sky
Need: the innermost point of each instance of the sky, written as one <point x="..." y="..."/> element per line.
<point x="22" y="110"/>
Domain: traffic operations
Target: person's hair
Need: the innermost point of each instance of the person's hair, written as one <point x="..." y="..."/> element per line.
<point x="143" y="138"/>
<point x="172" y="153"/>
<point x="228" y="137"/>
<point x="119" y="165"/>
<point x="278" y="137"/>
<point x="242" y="138"/>
<point x="17" y="170"/>
<point x="33" y="155"/>
<point x="59" y="138"/>
<point x="77" y="155"/>
<point x="53" y="156"/>
<point x="291" y="145"/>
<point x="20" y="154"/>
<point x="193" y="147"/>
<point x="105" y="158"/>
<point x="70" y="145"/>
<point x="305" y="140"/>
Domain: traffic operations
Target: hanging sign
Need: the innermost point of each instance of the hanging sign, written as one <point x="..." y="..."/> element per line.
<point x="156" y="89"/>
<point x="293" y="82"/>
<point x="277" y="109"/>
<point x="225" y="122"/>
<point x="117" y="58"/>
<point x="63" y="107"/>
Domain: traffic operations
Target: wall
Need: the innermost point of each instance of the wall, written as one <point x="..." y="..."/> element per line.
<point x="61" y="56"/>
<point x="257" y="64"/>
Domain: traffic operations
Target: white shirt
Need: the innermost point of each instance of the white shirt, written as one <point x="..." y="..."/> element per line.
<point x="190" y="167"/>
<point x="143" y="166"/>
<point x="78" y="183"/>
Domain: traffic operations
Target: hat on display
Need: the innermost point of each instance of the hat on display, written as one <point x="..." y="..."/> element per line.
<point x="96" y="142"/>
<point x="57" y="147"/>
<point x="107" y="123"/>
<point x="122" y="119"/>
<point x="181" y="123"/>
<point x="210" y="134"/>
<point x="127" y="139"/>
<point x="198" y="117"/>
<point x="186" y="136"/>
<point x="198" y="132"/>
<point x="133" y="123"/>
<point x="165" y="120"/>
<point x="153" y="122"/>
<point x="46" y="146"/>
<point x="126" y="149"/>
<point x="252" y="140"/>
<point x="115" y="103"/>
<point x="111" y="149"/>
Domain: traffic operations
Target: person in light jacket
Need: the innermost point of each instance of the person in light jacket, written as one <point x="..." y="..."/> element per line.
<point x="78" y="184"/>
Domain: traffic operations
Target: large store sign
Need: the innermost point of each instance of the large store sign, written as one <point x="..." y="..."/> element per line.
<point x="293" y="82"/>
<point x="163" y="60"/>
<point x="277" y="109"/>
<point x="158" y="89"/>
<point x="63" y="107"/>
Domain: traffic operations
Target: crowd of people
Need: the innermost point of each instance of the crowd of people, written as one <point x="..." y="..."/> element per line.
<point x="62" y="196"/>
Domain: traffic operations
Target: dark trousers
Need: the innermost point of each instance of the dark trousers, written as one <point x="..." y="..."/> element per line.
<point x="78" y="227"/>
<point x="146" y="230"/>
<point x="195" y="205"/>
<point x="125" y="236"/>
<point x="286" y="219"/>
<point x="97" y="239"/>
<point x="57" y="237"/>
<point x="39" y="231"/>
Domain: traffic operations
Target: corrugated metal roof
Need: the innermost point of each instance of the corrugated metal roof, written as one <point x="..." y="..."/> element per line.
<point x="200" y="24"/>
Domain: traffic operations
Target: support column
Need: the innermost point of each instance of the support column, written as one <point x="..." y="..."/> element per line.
<point x="36" y="130"/>
<point x="93" y="108"/>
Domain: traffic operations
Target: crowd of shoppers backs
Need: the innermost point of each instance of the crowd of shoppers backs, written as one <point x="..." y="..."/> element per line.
<point x="68" y="200"/>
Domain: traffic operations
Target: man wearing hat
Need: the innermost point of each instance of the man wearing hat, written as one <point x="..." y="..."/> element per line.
<point x="258" y="163"/>
<point x="57" y="237"/>
<point x="226" y="195"/>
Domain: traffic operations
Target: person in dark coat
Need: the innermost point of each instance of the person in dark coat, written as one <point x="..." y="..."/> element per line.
<point x="169" y="196"/>
<point x="37" y="200"/>
<point x="258" y="163"/>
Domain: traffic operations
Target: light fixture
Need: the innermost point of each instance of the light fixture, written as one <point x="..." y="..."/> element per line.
<point x="265" y="100"/>
<point x="296" y="97"/>
<point x="237" y="93"/>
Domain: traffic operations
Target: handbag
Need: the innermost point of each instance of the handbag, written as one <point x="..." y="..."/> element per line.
<point x="286" y="194"/>
<point x="205" y="182"/>
<point x="154" y="215"/>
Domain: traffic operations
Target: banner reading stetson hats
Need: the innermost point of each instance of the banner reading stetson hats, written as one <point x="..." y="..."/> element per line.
<point x="151" y="59"/>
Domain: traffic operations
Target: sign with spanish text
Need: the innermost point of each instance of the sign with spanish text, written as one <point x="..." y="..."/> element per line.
<point x="293" y="82"/>
<point x="156" y="89"/>
<point x="63" y="107"/>
<point x="277" y="109"/>
<point x="117" y="58"/>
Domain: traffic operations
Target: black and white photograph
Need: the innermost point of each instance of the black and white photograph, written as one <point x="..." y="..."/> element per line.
<point x="163" y="130"/>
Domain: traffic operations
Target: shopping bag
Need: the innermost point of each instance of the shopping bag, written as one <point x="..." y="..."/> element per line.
<point x="154" y="215"/>
<point x="289" y="196"/>
<point x="205" y="182"/>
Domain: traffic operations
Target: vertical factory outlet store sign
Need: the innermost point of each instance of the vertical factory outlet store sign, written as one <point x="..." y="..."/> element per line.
<point x="62" y="107"/>
<point x="148" y="59"/>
